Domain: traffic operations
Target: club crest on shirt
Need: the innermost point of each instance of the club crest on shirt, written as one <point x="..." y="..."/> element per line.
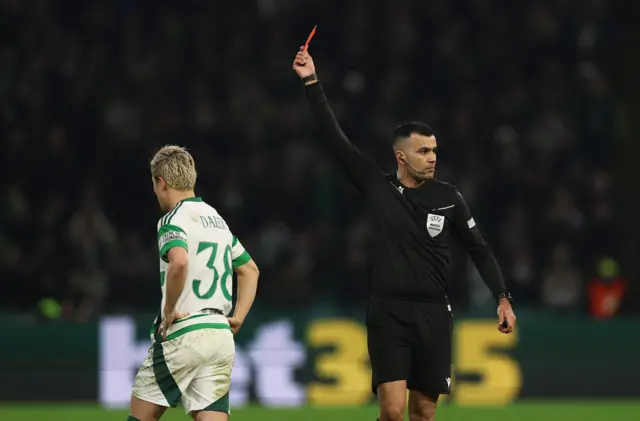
<point x="435" y="223"/>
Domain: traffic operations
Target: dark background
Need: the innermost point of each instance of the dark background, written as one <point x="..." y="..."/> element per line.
<point x="527" y="99"/>
<point x="534" y="106"/>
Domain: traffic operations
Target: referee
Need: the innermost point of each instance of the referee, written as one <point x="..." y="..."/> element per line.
<point x="409" y="320"/>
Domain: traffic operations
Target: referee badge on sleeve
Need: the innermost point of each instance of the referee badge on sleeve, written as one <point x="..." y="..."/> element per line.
<point x="435" y="223"/>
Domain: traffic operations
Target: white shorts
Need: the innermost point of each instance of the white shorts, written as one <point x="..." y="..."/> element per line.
<point x="192" y="370"/>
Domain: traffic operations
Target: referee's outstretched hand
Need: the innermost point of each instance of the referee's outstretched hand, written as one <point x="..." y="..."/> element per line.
<point x="303" y="64"/>
<point x="506" y="317"/>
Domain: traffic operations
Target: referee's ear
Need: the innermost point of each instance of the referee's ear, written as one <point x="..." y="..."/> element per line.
<point x="399" y="153"/>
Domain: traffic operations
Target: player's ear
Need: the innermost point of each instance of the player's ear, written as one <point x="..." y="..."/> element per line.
<point x="160" y="182"/>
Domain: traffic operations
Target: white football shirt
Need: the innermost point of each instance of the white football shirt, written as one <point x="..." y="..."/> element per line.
<point x="213" y="252"/>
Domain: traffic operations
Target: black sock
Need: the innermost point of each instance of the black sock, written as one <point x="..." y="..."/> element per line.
<point x="132" y="418"/>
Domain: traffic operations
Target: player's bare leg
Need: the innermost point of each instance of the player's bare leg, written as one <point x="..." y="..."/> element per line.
<point x="144" y="411"/>
<point x="209" y="416"/>
<point x="422" y="407"/>
<point x="392" y="397"/>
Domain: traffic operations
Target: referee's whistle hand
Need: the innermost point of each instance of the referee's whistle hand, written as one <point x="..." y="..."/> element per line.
<point x="303" y="64"/>
<point x="506" y="317"/>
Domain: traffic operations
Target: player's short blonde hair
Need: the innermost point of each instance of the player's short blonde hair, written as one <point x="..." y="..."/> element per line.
<point x="176" y="167"/>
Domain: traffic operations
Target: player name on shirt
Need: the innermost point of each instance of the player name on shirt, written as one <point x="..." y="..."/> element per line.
<point x="213" y="222"/>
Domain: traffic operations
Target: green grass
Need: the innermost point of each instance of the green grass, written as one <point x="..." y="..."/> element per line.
<point x="538" y="411"/>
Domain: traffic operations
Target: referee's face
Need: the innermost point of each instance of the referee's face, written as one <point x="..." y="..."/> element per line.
<point x="420" y="152"/>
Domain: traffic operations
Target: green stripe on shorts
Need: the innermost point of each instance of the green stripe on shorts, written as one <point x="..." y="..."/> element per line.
<point x="167" y="384"/>
<point x="221" y="405"/>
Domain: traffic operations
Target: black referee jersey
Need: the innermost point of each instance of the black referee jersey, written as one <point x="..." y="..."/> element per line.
<point x="412" y="227"/>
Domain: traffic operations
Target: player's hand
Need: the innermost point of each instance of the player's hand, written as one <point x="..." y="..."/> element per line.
<point x="506" y="317"/>
<point x="303" y="64"/>
<point x="169" y="318"/>
<point x="235" y="324"/>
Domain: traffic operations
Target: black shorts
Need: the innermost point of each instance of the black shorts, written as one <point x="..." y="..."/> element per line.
<point x="410" y="341"/>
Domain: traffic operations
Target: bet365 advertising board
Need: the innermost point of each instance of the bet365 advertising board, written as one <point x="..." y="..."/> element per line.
<point x="291" y="361"/>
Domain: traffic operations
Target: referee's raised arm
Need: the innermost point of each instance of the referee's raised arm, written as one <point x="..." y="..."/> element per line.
<point x="358" y="167"/>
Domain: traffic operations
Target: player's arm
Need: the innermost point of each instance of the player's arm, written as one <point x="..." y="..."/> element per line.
<point x="248" y="274"/>
<point x="172" y="242"/>
<point x="357" y="166"/>
<point x="470" y="237"/>
<point x="176" y="277"/>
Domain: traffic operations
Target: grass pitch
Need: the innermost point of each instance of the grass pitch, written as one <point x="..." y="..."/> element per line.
<point x="525" y="411"/>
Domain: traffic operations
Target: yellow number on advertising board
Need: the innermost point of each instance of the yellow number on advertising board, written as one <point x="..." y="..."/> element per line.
<point x="500" y="376"/>
<point x="346" y="364"/>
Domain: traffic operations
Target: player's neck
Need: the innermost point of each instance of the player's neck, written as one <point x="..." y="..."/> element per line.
<point x="177" y="196"/>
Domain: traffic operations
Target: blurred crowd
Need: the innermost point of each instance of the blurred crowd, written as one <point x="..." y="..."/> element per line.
<point x="517" y="92"/>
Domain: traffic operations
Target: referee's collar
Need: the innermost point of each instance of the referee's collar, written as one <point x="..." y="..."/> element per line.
<point x="393" y="179"/>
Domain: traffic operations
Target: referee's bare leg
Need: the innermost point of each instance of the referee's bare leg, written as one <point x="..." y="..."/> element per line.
<point x="422" y="407"/>
<point x="392" y="398"/>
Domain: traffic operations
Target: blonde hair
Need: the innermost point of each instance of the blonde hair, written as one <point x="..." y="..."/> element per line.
<point x="176" y="167"/>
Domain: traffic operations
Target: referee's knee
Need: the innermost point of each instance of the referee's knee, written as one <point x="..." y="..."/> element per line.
<point x="392" y="412"/>
<point x="424" y="413"/>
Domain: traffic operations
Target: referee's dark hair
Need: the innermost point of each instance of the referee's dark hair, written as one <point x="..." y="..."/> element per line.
<point x="406" y="129"/>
